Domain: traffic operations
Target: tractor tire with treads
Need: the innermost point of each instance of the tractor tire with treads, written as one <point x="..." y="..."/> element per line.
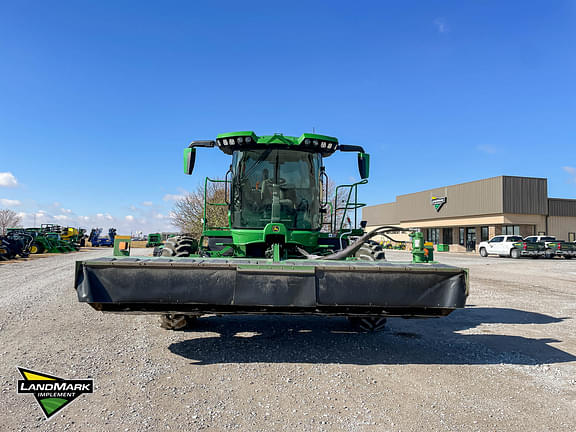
<point x="369" y="252"/>
<point x="177" y="322"/>
<point x="36" y="248"/>
<point x="180" y="246"/>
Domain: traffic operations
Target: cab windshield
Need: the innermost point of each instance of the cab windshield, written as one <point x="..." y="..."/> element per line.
<point x="275" y="185"/>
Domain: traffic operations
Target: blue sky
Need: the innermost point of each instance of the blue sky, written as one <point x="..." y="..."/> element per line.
<point x="98" y="99"/>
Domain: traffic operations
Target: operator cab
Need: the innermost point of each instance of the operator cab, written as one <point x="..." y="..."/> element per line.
<point x="276" y="185"/>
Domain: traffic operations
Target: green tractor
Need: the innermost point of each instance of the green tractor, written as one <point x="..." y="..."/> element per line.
<point x="285" y="249"/>
<point x="154" y="240"/>
<point x="48" y="239"/>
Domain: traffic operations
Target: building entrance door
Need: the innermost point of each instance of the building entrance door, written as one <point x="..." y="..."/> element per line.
<point x="470" y="239"/>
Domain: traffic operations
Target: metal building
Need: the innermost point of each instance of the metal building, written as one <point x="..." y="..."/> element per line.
<point x="462" y="215"/>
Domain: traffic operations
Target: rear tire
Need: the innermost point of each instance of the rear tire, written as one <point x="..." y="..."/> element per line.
<point x="371" y="252"/>
<point x="180" y="246"/>
<point x="368" y="324"/>
<point x="515" y="253"/>
<point x="549" y="254"/>
<point x="483" y="252"/>
<point x="177" y="322"/>
<point x="36" y="248"/>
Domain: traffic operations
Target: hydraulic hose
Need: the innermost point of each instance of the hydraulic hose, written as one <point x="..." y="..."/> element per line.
<point x="353" y="247"/>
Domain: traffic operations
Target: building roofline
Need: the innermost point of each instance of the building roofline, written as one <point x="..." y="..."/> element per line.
<point x="473" y="181"/>
<point x="562" y="199"/>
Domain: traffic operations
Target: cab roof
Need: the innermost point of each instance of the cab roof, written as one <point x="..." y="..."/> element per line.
<point x="232" y="141"/>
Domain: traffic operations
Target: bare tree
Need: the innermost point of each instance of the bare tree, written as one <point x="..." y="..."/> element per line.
<point x="188" y="212"/>
<point x="8" y="219"/>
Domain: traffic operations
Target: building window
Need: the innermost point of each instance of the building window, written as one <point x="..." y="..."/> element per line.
<point x="572" y="237"/>
<point x="511" y="230"/>
<point x="447" y="235"/>
<point x="433" y="235"/>
<point x="461" y="236"/>
<point x="484" y="233"/>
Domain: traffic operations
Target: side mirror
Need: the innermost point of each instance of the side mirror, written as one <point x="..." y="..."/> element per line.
<point x="189" y="160"/>
<point x="364" y="165"/>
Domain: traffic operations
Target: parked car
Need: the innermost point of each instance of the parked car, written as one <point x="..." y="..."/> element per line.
<point x="555" y="247"/>
<point x="510" y="246"/>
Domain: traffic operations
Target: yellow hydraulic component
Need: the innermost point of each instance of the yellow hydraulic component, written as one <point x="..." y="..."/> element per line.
<point x="68" y="233"/>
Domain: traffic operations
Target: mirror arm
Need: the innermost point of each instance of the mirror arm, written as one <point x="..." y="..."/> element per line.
<point x="202" y="143"/>
<point x="351" y="148"/>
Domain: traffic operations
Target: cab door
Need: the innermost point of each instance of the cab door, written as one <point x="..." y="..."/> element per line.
<point x="495" y="245"/>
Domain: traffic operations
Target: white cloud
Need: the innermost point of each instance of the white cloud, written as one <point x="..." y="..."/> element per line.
<point x="61" y="218"/>
<point x="148" y="203"/>
<point x="173" y="197"/>
<point x="488" y="149"/>
<point x="159" y="216"/>
<point x="129" y="218"/>
<point x="104" y="216"/>
<point x="7" y="179"/>
<point x="572" y="172"/>
<point x="9" y="203"/>
<point x="68" y="211"/>
<point x="441" y="26"/>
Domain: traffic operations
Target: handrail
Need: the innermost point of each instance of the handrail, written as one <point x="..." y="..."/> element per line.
<point x="350" y="205"/>
<point x="205" y="225"/>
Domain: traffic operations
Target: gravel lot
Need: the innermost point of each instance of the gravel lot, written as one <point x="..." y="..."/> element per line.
<point x="505" y="363"/>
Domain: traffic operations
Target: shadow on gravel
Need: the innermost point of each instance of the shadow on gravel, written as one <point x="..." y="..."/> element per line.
<point x="297" y="339"/>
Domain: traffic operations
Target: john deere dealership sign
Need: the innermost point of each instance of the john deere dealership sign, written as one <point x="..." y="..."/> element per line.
<point x="438" y="202"/>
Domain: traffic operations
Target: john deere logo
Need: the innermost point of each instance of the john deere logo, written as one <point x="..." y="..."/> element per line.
<point x="52" y="393"/>
<point x="438" y="202"/>
<point x="275" y="228"/>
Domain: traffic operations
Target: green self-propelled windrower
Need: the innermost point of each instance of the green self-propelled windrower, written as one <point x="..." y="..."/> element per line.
<point x="288" y="247"/>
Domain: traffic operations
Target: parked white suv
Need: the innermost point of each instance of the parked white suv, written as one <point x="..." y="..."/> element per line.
<point x="502" y="245"/>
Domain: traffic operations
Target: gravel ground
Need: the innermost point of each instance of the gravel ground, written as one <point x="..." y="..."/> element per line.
<point x="505" y="363"/>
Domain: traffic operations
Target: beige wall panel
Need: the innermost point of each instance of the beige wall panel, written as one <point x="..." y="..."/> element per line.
<point x="381" y="214"/>
<point x="470" y="221"/>
<point x="466" y="199"/>
<point x="560" y="226"/>
<point x="523" y="219"/>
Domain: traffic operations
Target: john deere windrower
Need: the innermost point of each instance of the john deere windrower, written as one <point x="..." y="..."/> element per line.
<point x="286" y="249"/>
